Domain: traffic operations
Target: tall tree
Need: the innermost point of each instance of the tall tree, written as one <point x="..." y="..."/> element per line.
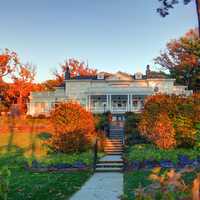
<point x="76" y="67"/>
<point x="8" y="63"/>
<point x="182" y="59"/>
<point x="22" y="85"/>
<point x="166" y="5"/>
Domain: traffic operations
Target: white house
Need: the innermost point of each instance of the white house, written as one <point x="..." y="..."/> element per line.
<point x="117" y="93"/>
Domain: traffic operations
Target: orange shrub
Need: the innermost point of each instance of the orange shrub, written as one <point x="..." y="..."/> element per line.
<point x="74" y="128"/>
<point x="181" y="114"/>
<point x="163" y="132"/>
<point x="160" y="131"/>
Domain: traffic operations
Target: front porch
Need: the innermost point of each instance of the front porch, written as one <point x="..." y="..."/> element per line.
<point x="116" y="104"/>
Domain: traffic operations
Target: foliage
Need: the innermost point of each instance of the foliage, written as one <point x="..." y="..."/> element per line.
<point x="133" y="180"/>
<point x="142" y="152"/>
<point x="22" y="77"/>
<point x="22" y="85"/>
<point x="175" y="121"/>
<point x="76" y="67"/>
<point x="55" y="158"/>
<point x="181" y="59"/>
<point x="163" y="133"/>
<point x="8" y="63"/>
<point x="74" y="128"/>
<point x="132" y="135"/>
<point x="169" y="4"/>
<point x="166" y="5"/>
<point x="4" y="183"/>
<point x="169" y="185"/>
<point x="101" y="121"/>
<point x="185" y="133"/>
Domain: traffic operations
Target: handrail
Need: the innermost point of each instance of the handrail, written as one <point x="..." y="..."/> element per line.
<point x="95" y="152"/>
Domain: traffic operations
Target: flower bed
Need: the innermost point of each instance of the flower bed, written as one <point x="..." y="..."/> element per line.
<point x="148" y="156"/>
<point x="59" y="167"/>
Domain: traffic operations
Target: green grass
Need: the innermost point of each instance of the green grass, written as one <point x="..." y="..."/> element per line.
<point x="39" y="186"/>
<point x="143" y="152"/>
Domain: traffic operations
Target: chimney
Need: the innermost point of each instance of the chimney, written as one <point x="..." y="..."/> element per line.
<point x="67" y="74"/>
<point x="148" y="71"/>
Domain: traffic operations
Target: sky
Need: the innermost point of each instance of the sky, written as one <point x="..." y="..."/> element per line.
<point x="112" y="35"/>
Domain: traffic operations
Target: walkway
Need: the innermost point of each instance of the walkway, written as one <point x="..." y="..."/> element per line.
<point x="107" y="182"/>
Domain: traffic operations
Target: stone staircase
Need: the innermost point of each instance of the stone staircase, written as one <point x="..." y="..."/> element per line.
<point x="113" y="161"/>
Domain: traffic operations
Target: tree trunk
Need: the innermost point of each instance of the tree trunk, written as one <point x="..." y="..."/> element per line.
<point x="198" y="14"/>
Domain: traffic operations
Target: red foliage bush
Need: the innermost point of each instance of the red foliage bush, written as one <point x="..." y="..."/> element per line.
<point x="171" y="118"/>
<point x="74" y="128"/>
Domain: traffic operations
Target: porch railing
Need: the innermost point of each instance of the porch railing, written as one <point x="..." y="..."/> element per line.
<point x="101" y="109"/>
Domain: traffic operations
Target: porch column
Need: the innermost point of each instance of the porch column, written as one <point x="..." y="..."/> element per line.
<point x="128" y="105"/>
<point x="86" y="103"/>
<point x="89" y="103"/>
<point x="107" y="102"/>
<point x="110" y="106"/>
<point x="131" y="99"/>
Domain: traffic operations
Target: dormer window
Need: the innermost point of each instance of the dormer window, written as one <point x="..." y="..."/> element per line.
<point x="138" y="76"/>
<point x="100" y="76"/>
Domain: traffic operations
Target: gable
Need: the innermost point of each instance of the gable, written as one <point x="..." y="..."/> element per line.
<point x="119" y="76"/>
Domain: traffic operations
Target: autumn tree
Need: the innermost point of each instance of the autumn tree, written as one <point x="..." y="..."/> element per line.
<point x="8" y="63"/>
<point x="182" y="59"/>
<point x="22" y="85"/>
<point x="166" y="5"/>
<point x="76" y="67"/>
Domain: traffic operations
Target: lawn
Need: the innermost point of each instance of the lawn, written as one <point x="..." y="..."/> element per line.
<point x="38" y="186"/>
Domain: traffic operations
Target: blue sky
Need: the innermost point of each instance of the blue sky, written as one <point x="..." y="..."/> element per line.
<point x="111" y="34"/>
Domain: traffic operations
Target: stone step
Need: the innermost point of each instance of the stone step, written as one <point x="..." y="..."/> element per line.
<point x="113" y="147"/>
<point x="113" y="140"/>
<point x="111" y="161"/>
<point x="108" y="165"/>
<point x="113" y="152"/>
<point x="109" y="169"/>
<point x="113" y="143"/>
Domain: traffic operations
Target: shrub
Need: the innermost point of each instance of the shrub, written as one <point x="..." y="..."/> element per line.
<point x="163" y="132"/>
<point x="160" y="131"/>
<point x="169" y="185"/>
<point x="101" y="121"/>
<point x="181" y="115"/>
<point x="132" y="135"/>
<point x="185" y="133"/>
<point x="74" y="128"/>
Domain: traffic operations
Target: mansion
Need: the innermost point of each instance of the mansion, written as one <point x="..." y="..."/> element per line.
<point x="118" y="93"/>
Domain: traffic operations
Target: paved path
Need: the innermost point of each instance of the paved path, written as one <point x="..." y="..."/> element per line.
<point x="105" y="185"/>
<point x="101" y="186"/>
